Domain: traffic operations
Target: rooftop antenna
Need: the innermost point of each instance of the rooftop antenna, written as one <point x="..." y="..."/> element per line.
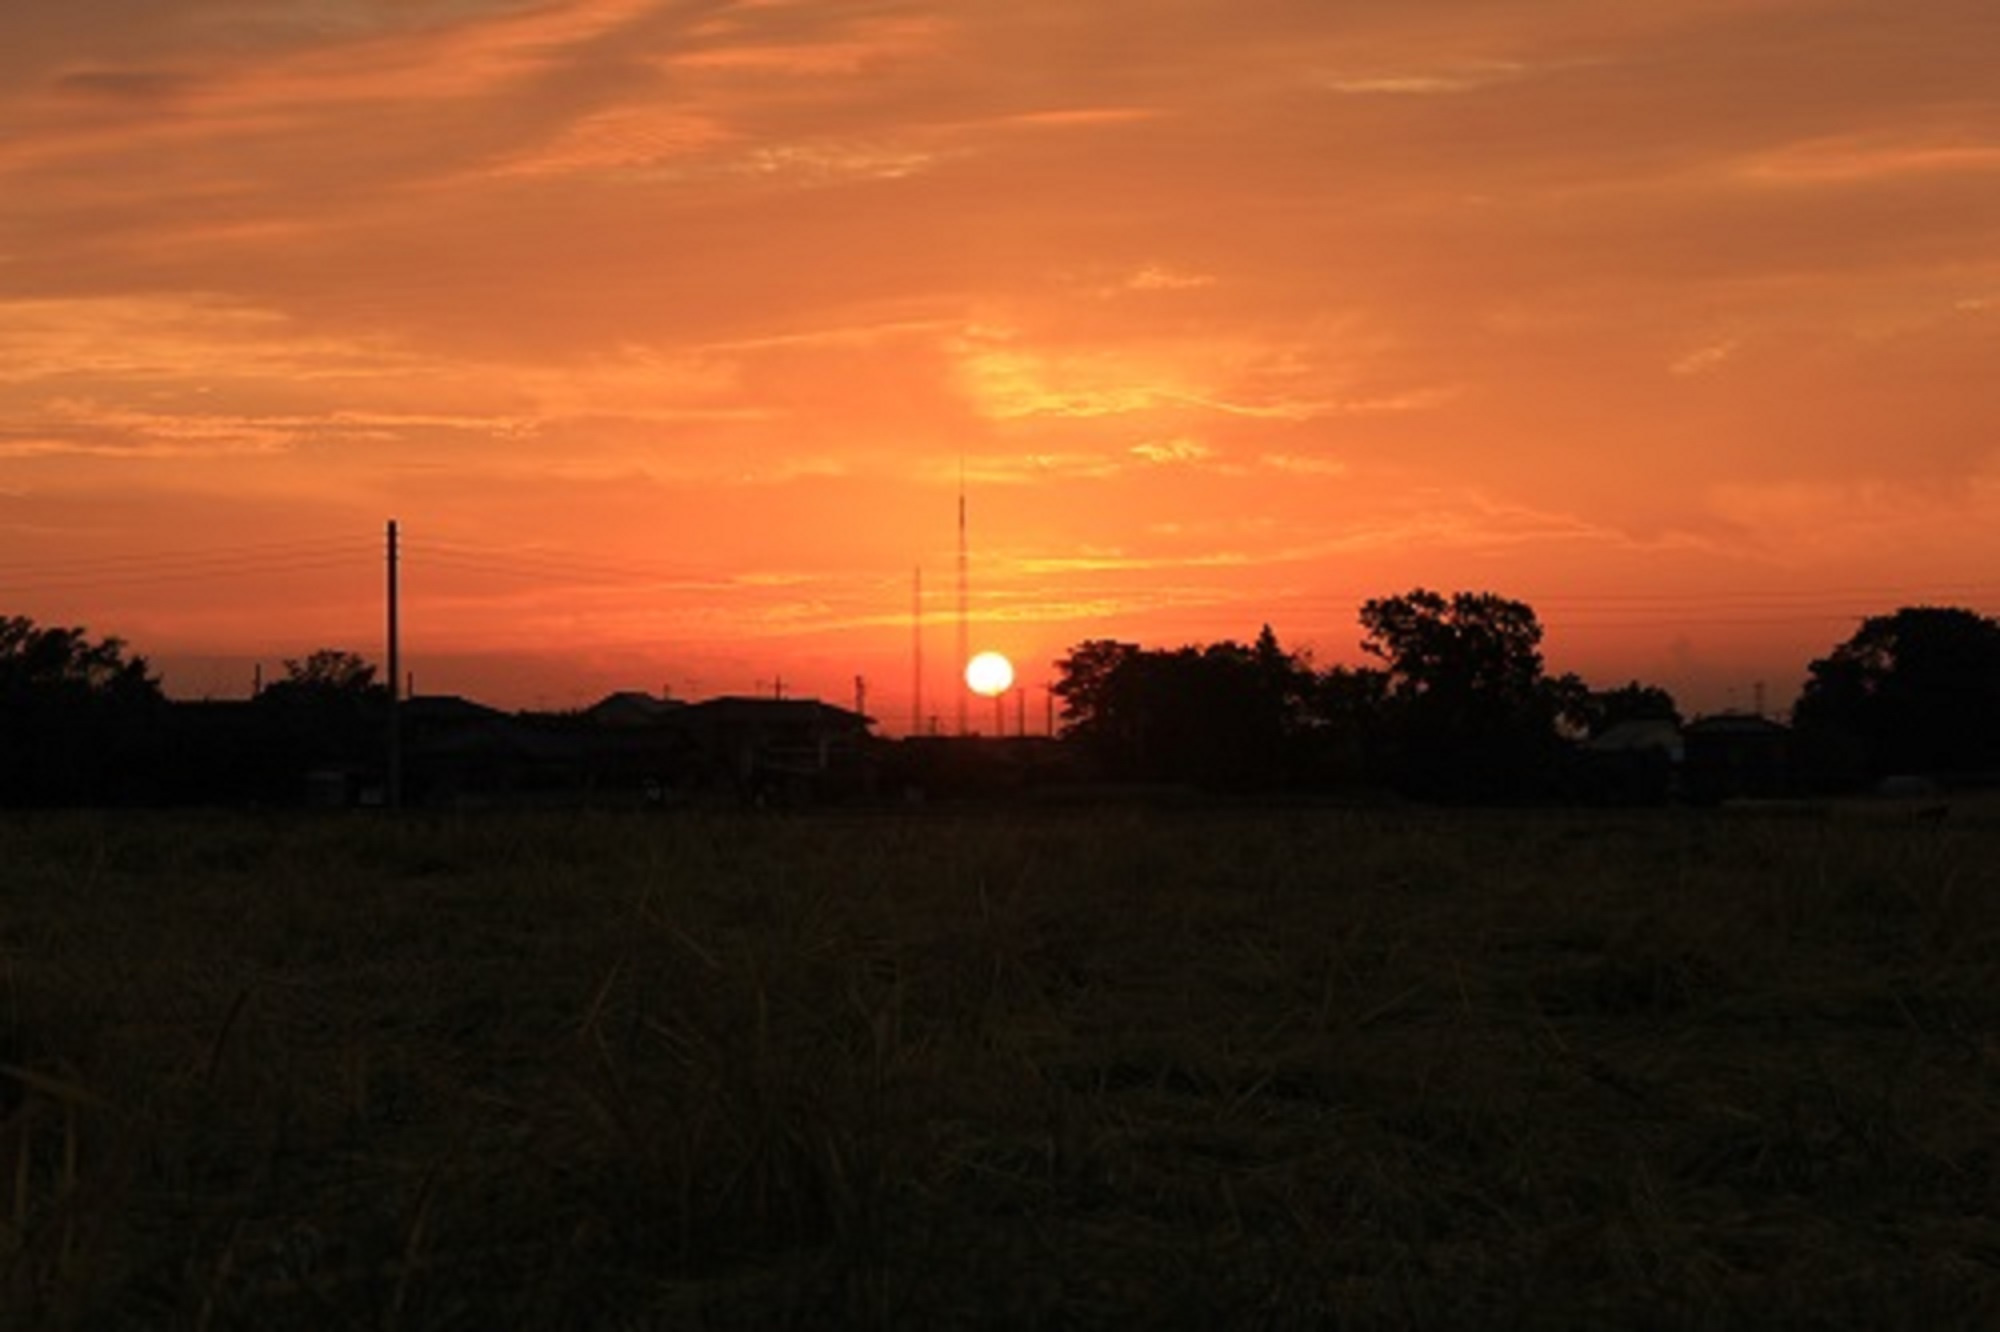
<point x="964" y="628"/>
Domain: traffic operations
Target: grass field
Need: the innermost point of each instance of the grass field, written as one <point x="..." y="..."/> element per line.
<point x="1251" y="1069"/>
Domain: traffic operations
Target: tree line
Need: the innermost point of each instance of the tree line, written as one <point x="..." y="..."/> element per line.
<point x="85" y="721"/>
<point x="1459" y="706"/>
<point x="1456" y="705"/>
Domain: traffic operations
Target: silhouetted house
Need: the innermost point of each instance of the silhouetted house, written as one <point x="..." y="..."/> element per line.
<point x="782" y="750"/>
<point x="457" y="752"/>
<point x="627" y="749"/>
<point x="642" y="749"/>
<point x="631" y="748"/>
<point x="1733" y="756"/>
<point x="1655" y="735"/>
<point x="442" y="713"/>
<point x="632" y="710"/>
<point x="1634" y="762"/>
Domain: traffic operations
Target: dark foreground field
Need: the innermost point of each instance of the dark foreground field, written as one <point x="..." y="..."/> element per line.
<point x="1299" y="1069"/>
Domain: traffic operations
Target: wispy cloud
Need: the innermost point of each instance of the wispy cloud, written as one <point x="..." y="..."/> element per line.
<point x="124" y="109"/>
<point x="1851" y="159"/>
<point x="1079" y="117"/>
<point x="1704" y="359"/>
<point x="1120" y="562"/>
<point x="1166" y="452"/>
<point x="1424" y="82"/>
<point x="835" y="160"/>
<point x="1034" y="468"/>
<point x="1304" y="464"/>
<point x="1160" y="277"/>
<point x="620" y="139"/>
<point x="189" y="338"/>
<point x="82" y="428"/>
<point x="853" y="48"/>
<point x="1008" y="378"/>
<point x="839" y="336"/>
<point x="1801" y="520"/>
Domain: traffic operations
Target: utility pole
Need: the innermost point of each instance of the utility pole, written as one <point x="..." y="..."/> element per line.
<point x="964" y="628"/>
<point x="860" y="696"/>
<point x="394" y="796"/>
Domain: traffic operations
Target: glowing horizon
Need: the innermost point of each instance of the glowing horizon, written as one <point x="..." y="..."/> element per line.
<point x="667" y="334"/>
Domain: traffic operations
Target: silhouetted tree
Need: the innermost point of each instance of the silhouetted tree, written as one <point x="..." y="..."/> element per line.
<point x="1605" y="708"/>
<point x="1917" y="691"/>
<point x="77" y="717"/>
<point x="43" y="665"/>
<point x="1221" y="715"/>
<point x="1346" y="739"/>
<point x="1285" y="678"/>
<point x="326" y="710"/>
<point x="1088" y="683"/>
<point x="329" y="674"/>
<point x="1470" y="710"/>
<point x="1569" y="700"/>
<point x="1473" y="649"/>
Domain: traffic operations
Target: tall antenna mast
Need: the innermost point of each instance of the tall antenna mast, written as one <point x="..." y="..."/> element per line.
<point x="917" y="651"/>
<point x="394" y="796"/>
<point x="964" y="629"/>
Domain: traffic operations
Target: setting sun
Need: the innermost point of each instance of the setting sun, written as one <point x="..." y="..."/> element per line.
<point x="989" y="674"/>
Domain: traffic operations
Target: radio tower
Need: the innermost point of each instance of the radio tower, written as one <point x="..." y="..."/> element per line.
<point x="964" y="629"/>
<point x="917" y="651"/>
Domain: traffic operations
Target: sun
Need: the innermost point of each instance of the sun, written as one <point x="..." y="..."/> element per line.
<point x="989" y="674"/>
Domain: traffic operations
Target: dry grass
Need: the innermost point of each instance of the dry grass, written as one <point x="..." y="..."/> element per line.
<point x="1380" y="1069"/>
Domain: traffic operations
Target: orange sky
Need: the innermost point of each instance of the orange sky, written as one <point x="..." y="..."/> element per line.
<point x="663" y="327"/>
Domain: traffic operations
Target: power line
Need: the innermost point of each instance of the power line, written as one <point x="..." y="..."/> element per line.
<point x="251" y="561"/>
<point x="560" y="571"/>
<point x="233" y="549"/>
<point x="177" y="563"/>
<point x="533" y="562"/>
<point x="86" y="580"/>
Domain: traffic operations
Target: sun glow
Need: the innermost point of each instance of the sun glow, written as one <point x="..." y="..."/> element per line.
<point x="989" y="674"/>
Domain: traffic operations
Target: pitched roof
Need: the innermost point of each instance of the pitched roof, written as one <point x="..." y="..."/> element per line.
<point x="738" y="708"/>
<point x="447" y="708"/>
<point x="1638" y="734"/>
<point x="631" y="707"/>
<point x="1735" y="723"/>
